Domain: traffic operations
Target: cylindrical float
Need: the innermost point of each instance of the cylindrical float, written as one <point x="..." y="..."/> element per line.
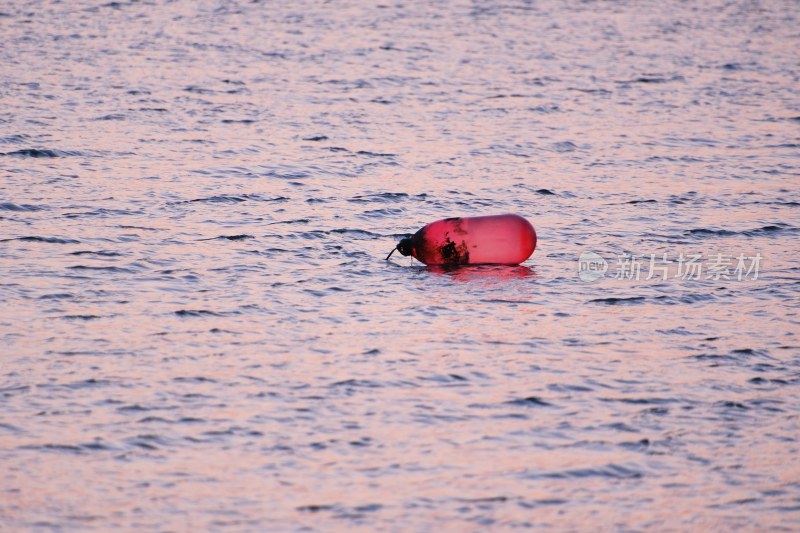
<point x="498" y="239"/>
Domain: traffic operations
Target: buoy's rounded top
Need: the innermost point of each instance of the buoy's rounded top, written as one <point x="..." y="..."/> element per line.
<point x="404" y="246"/>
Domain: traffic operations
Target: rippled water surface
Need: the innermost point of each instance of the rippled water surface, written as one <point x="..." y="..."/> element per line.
<point x="199" y="330"/>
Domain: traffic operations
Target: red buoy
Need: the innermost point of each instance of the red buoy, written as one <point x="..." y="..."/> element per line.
<point x="498" y="239"/>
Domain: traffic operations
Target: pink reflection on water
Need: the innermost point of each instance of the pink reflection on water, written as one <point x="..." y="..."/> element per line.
<point x="483" y="273"/>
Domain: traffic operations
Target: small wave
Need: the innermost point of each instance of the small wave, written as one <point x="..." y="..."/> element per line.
<point x="611" y="471"/>
<point x="101" y="268"/>
<point x="711" y="357"/>
<point x="285" y="174"/>
<point x="545" y="109"/>
<point x="102" y="253"/>
<point x="51" y="240"/>
<point x="124" y="226"/>
<point x="316" y="138"/>
<point x="690" y="196"/>
<point x="194" y="379"/>
<point x="783" y="145"/>
<point x="543" y="192"/>
<point x="362" y="383"/>
<point x="374" y="154"/>
<point x="690" y="298"/>
<point x="641" y="444"/>
<point x="354" y="232"/>
<point x="680" y="330"/>
<point x="564" y="146"/>
<point x="113" y="116"/>
<point x="654" y="79"/>
<point x="758" y="380"/>
<point x="445" y="378"/>
<point x="750" y="352"/>
<point x="70" y="448"/>
<point x="315" y="508"/>
<point x="532" y="504"/>
<point x="96" y="446"/>
<point x="727" y="404"/>
<point x="40" y="153"/>
<point x="674" y="159"/>
<point x="296" y="221"/>
<point x="641" y="202"/>
<point x="134" y="408"/>
<point x="485" y="499"/>
<point x="90" y="383"/>
<point x="496" y="96"/>
<point x="147" y="442"/>
<point x="739" y="356"/>
<point x="386" y="197"/>
<point x="619" y="301"/>
<point x="708" y="231"/>
<point x="152" y="419"/>
<point x="197" y="313"/>
<point x="102" y="212"/>
<point x="567" y="387"/>
<point x="787" y="204"/>
<point x="530" y="401"/>
<point x="230" y="237"/>
<point x="198" y="90"/>
<point x="11" y="206"/>
<point x="640" y="401"/>
<point x="598" y="91"/>
<point x="190" y="420"/>
<point x="80" y="317"/>
<point x="62" y="448"/>
<point x="15" y="139"/>
<point x="770" y="229"/>
<point x="230" y="199"/>
<point x="57" y="296"/>
<point x="7" y="392"/>
<point x="10" y="428"/>
<point x="382" y="213"/>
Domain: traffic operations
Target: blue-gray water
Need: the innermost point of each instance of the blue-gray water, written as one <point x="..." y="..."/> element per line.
<point x="199" y="330"/>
